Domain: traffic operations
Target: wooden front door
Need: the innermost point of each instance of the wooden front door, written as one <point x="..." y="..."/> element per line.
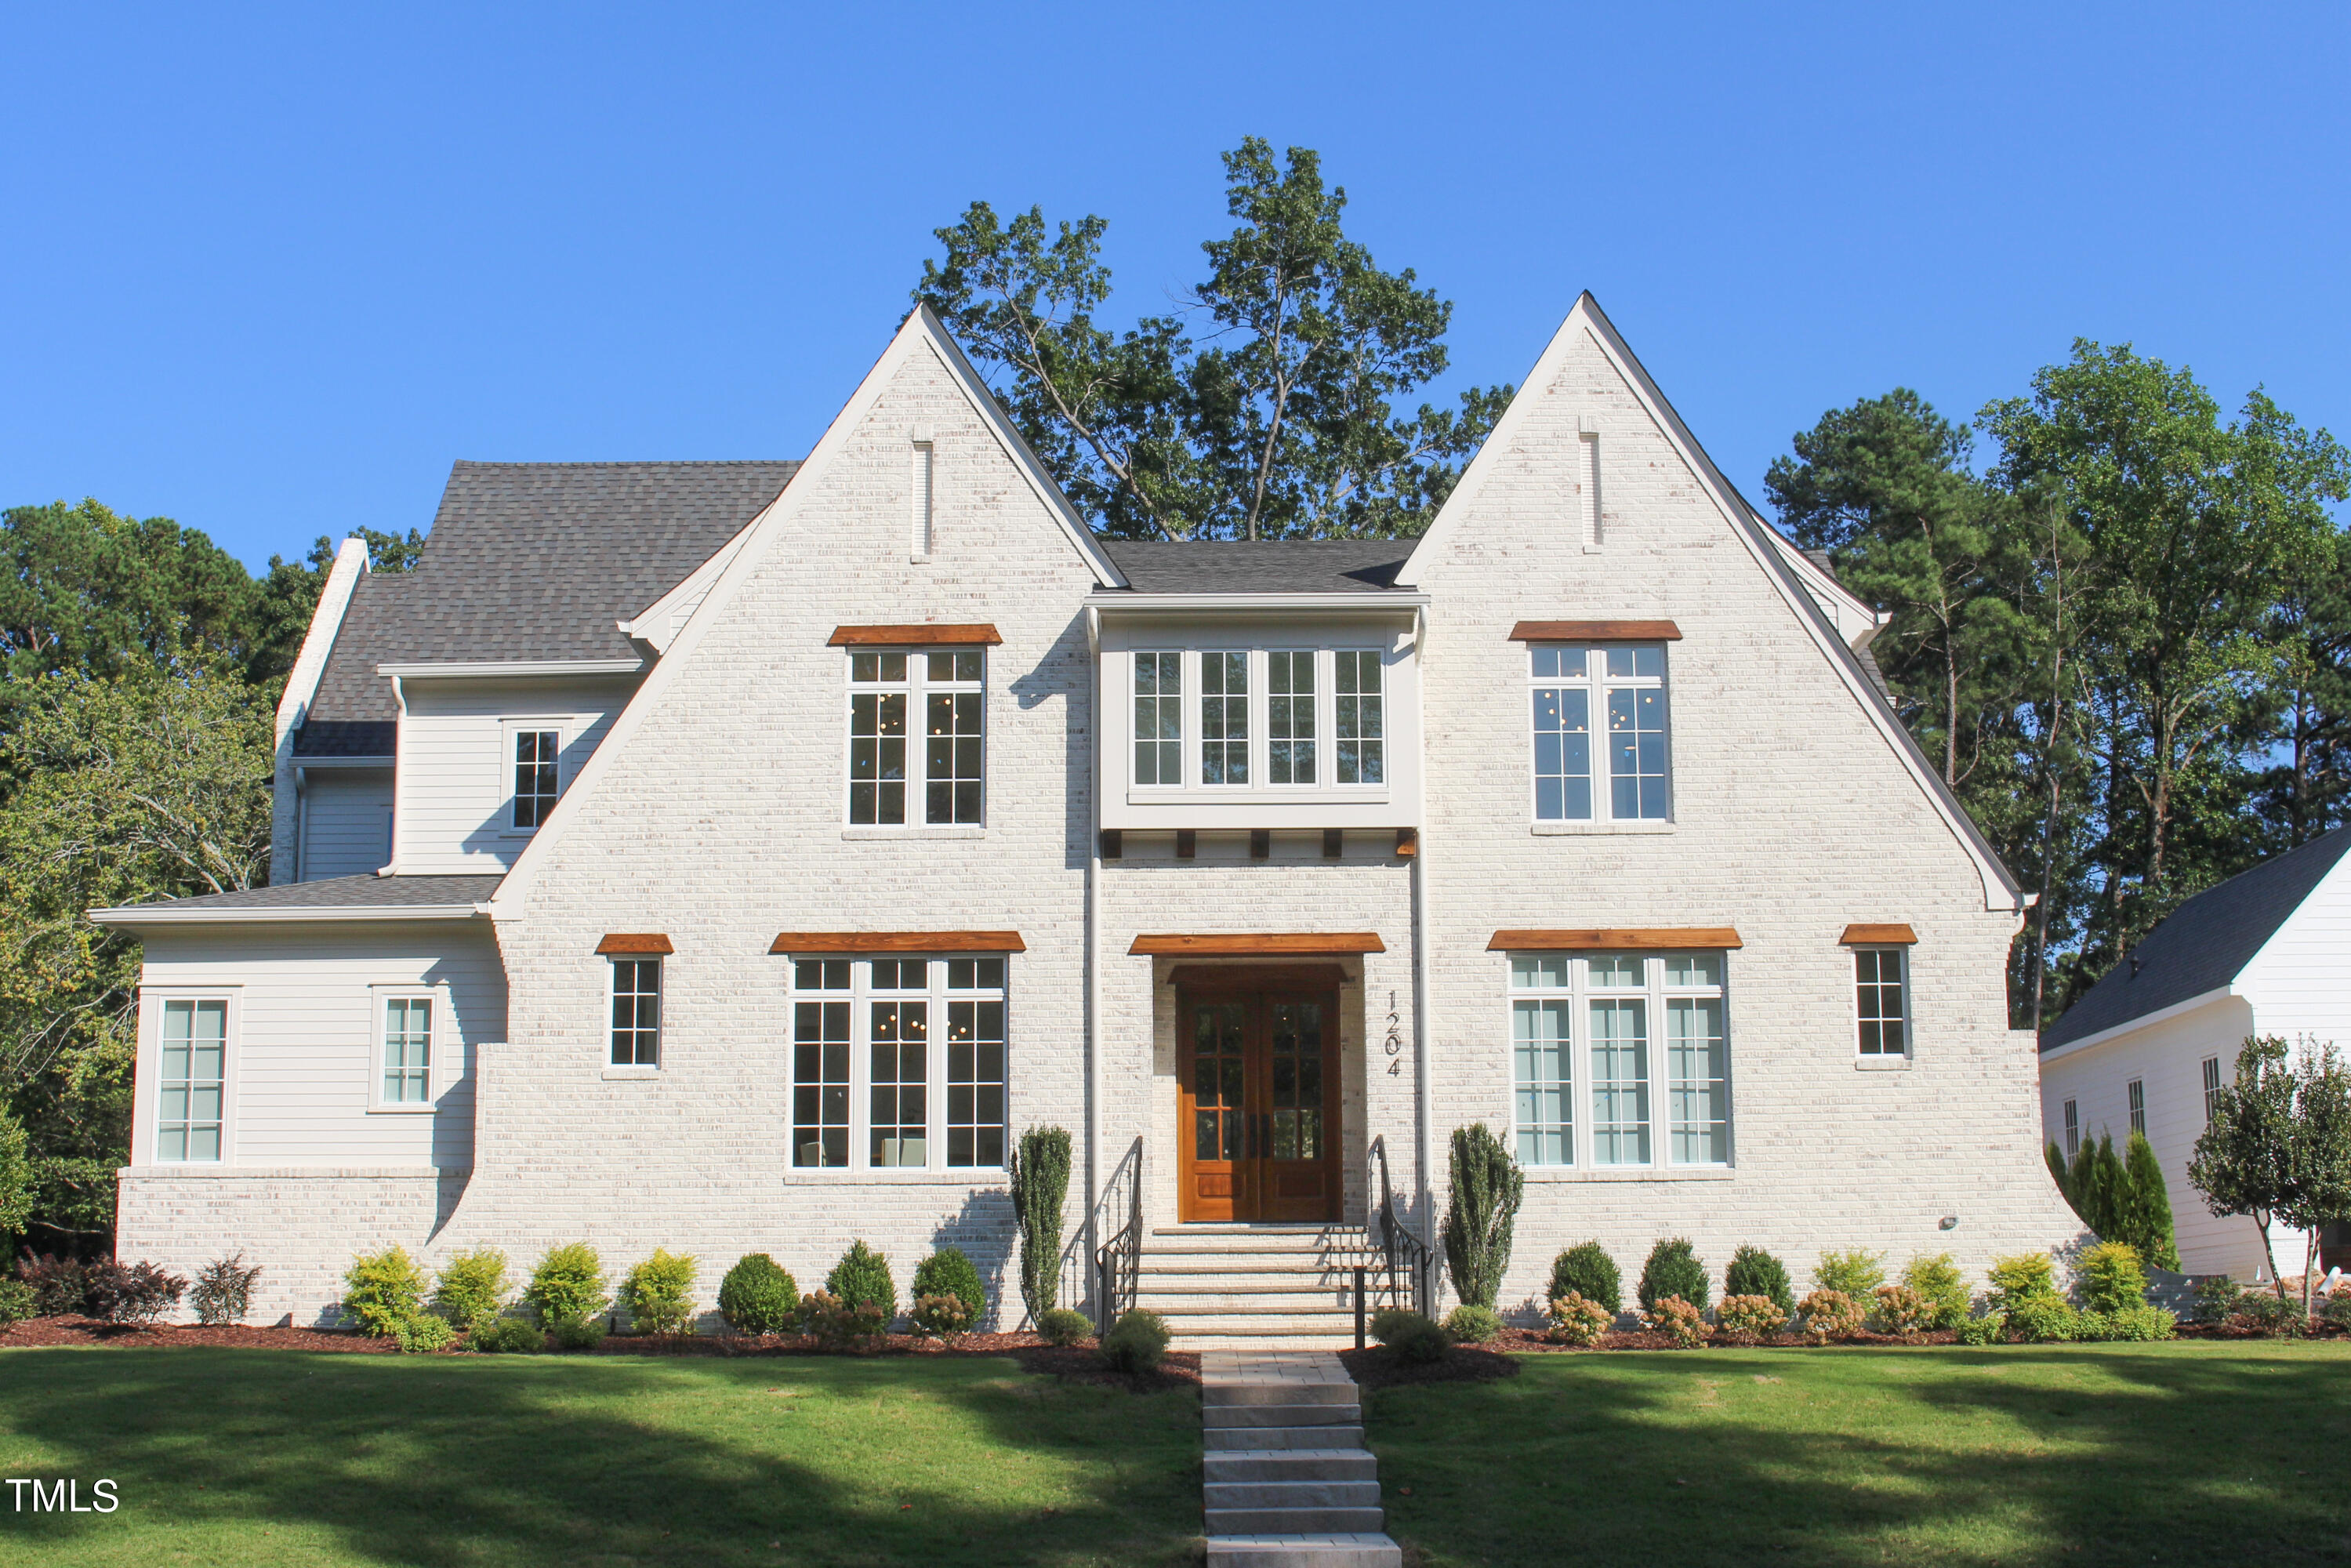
<point x="1258" y="1059"/>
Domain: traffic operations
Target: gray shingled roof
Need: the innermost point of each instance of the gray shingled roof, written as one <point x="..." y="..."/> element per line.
<point x="365" y="891"/>
<point x="1273" y="566"/>
<point x="532" y="560"/>
<point x="2206" y="942"/>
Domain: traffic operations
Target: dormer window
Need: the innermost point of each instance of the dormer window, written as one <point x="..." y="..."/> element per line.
<point x="1256" y="719"/>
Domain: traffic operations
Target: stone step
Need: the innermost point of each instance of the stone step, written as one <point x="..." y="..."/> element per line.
<point x="1215" y="1393"/>
<point x="1292" y="1495"/>
<point x="1280" y="1439"/>
<point x="1347" y="1415"/>
<point x="1283" y="1296"/>
<point x="1292" y="1465"/>
<point x="1290" y="1521"/>
<point x="1264" y="1339"/>
<point x="1328" y="1549"/>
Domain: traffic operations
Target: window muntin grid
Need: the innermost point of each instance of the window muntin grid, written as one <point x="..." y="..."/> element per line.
<point x="1159" y="718"/>
<point x="1223" y="721"/>
<point x="872" y="1089"/>
<point x="1625" y="682"/>
<point x="1362" y="718"/>
<point x="1224" y="718"/>
<point x="2136" y="1090"/>
<point x="947" y="688"/>
<point x="1289" y="716"/>
<point x="2073" y="1131"/>
<point x="192" y="1079"/>
<point x="1603" y="1013"/>
<point x="407" y="1051"/>
<point x="2211" y="1087"/>
<point x="537" y="754"/>
<point x="636" y="1012"/>
<point x="1880" y="1001"/>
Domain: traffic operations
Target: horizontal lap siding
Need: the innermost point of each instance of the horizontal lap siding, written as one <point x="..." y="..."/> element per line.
<point x="345" y="822"/>
<point x="457" y="777"/>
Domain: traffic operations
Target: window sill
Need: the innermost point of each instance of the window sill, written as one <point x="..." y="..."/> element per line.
<point x="1640" y="1172"/>
<point x="1545" y="829"/>
<point x="975" y="1175"/>
<point x="1264" y="795"/>
<point x="616" y="1074"/>
<point x="920" y="831"/>
<point x="421" y="1108"/>
<point x="1882" y="1064"/>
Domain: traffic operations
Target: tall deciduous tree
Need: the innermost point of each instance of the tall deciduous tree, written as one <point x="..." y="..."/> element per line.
<point x="1277" y="421"/>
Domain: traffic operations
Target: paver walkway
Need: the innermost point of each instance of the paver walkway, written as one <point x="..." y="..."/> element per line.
<point x="1289" y="1481"/>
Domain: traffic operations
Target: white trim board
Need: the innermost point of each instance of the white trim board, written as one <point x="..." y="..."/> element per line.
<point x="134" y="914"/>
<point x="480" y="668"/>
<point x="2145" y="1020"/>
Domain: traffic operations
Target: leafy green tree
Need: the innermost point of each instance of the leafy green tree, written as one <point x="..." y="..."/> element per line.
<point x="2246" y="1161"/>
<point x="2305" y="726"/>
<point x="84" y="588"/>
<point x="2320" y="1192"/>
<point x="1281" y="422"/>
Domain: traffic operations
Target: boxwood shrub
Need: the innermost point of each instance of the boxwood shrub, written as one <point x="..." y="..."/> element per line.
<point x="1673" y="1270"/>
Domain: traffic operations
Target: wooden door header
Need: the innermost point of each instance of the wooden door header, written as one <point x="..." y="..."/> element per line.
<point x="1259" y="977"/>
<point x="1265" y="944"/>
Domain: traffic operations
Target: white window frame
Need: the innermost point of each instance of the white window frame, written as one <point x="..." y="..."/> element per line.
<point x="1194" y="695"/>
<point x="2211" y="1071"/>
<point x="612" y="962"/>
<point x="510" y="730"/>
<point x="938" y="995"/>
<point x="1656" y="992"/>
<point x="1900" y="953"/>
<point x="1596" y="684"/>
<point x="149" y="1128"/>
<point x="2135" y="1100"/>
<point x="437" y="1077"/>
<point x="917" y="688"/>
<point x="2072" y="1125"/>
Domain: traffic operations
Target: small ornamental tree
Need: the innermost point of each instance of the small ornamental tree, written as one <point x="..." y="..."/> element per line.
<point x="2245" y="1162"/>
<point x="1488" y="1187"/>
<point x="1040" y="1186"/>
<point x="2320" y="1195"/>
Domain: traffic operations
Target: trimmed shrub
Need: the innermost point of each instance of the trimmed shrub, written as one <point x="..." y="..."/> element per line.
<point x="1673" y="1270"/>
<point x="2337" y="1310"/>
<point x="1982" y="1331"/>
<point x="567" y="1286"/>
<point x="2263" y="1313"/>
<point x="422" y="1333"/>
<point x="1745" y="1319"/>
<point x="758" y="1296"/>
<point x="1412" y="1336"/>
<point x="131" y="1292"/>
<point x="507" y="1336"/>
<point x="223" y="1292"/>
<point x="1469" y="1323"/>
<point x="1755" y="1272"/>
<point x="1587" y="1271"/>
<point x="659" y="1294"/>
<point x="1903" y="1313"/>
<point x="2041" y="1319"/>
<point x="2019" y="1278"/>
<point x="861" y="1278"/>
<point x="2109" y="1278"/>
<point x="473" y="1287"/>
<point x="383" y="1290"/>
<point x="837" y="1325"/>
<point x="1480" y="1212"/>
<point x="2216" y="1299"/>
<point x="1040" y="1186"/>
<point x="948" y="1272"/>
<point x="1680" y="1319"/>
<point x="1855" y="1273"/>
<point x="17" y="1302"/>
<point x="577" y="1333"/>
<point x="1136" y="1343"/>
<point x="1830" y="1315"/>
<point x="1575" y="1321"/>
<point x="2141" y="1321"/>
<point x="943" y="1318"/>
<point x="1060" y="1325"/>
<point x="1939" y="1279"/>
<point x="59" y="1285"/>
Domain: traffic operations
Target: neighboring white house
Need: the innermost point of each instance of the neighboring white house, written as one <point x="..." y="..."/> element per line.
<point x="765" y="846"/>
<point x="2261" y="954"/>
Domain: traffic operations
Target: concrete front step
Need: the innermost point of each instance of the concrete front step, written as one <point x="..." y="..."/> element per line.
<point x="1334" y="1464"/>
<point x="1292" y="1496"/>
<point x="1326" y="1550"/>
<point x="1290" y="1521"/>
<point x="1215" y="1416"/>
<point x="1279" y="1394"/>
<point x="1270" y="1294"/>
<point x="1279" y="1439"/>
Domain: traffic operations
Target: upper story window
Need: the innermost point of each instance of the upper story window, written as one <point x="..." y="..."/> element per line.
<point x="1577" y="690"/>
<point x="1589" y="1035"/>
<point x="2136" y="1090"/>
<point x="1879" y="1000"/>
<point x="538" y="755"/>
<point x="192" y="1077"/>
<point x="944" y="690"/>
<point x="2212" y="1086"/>
<point x="2073" y="1130"/>
<point x="407" y="1051"/>
<point x="899" y="1062"/>
<point x="1251" y="718"/>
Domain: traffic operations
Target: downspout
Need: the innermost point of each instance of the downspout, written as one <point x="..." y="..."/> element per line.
<point x="1094" y="959"/>
<point x="1423" y="1151"/>
<point x="301" y="822"/>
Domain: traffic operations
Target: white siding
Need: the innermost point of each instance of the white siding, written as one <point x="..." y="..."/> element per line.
<point x="457" y="766"/>
<point x="2297" y="982"/>
<point x="302" y="1046"/>
<point x="346" y="822"/>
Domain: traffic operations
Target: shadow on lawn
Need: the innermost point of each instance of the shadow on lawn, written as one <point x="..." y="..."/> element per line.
<point x="574" y="1462"/>
<point x="2005" y="1456"/>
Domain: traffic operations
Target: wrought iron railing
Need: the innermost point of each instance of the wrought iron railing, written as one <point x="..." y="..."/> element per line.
<point x="1111" y="1230"/>
<point x="1407" y="1262"/>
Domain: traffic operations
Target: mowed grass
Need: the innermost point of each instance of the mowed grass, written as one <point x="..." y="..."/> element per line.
<point x="2190" y="1452"/>
<point x="251" y="1458"/>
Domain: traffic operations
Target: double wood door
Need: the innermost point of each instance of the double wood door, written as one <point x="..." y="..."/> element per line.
<point x="1258" y="1054"/>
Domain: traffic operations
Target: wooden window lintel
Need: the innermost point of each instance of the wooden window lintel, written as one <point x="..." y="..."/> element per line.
<point x="637" y="943"/>
<point x="1595" y="631"/>
<point x="898" y="941"/>
<point x="1613" y="939"/>
<point x="1887" y="936"/>
<point x="923" y="635"/>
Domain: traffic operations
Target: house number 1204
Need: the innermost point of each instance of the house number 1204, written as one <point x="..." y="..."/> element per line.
<point x="1395" y="1039"/>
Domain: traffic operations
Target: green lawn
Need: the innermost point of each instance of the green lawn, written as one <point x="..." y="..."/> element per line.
<point x="2194" y="1452"/>
<point x="266" y="1458"/>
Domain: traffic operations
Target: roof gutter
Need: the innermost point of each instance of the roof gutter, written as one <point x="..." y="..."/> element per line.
<point x="476" y="669"/>
<point x="2144" y="1021"/>
<point x="138" y="914"/>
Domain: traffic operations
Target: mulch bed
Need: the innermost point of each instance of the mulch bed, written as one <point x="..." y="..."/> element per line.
<point x="69" y="1330"/>
<point x="1641" y="1339"/>
<point x="1376" y="1366"/>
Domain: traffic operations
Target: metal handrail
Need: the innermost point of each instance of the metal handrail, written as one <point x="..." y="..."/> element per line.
<point x="1118" y="1263"/>
<point x="1409" y="1262"/>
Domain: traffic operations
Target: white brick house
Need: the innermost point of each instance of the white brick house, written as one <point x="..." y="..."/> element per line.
<point x="929" y="818"/>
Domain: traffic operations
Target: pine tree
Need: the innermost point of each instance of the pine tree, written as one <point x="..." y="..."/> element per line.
<point x="2058" y="1173"/>
<point x="2150" y="1205"/>
<point x="2085" y="1187"/>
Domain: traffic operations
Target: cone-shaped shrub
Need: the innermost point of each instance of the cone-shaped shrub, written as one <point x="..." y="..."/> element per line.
<point x="861" y="1278"/>
<point x="2149" y="1224"/>
<point x="1040" y="1186"/>
<point x="1478" y="1217"/>
<point x="947" y="1272"/>
<point x="1588" y="1271"/>
<point x="1673" y="1270"/>
<point x="1755" y="1272"/>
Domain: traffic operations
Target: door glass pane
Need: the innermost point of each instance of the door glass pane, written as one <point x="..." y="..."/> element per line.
<point x="1218" y="1064"/>
<point x="1297" y="1079"/>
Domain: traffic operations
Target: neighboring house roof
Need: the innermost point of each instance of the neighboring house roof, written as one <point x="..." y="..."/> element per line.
<point x="1267" y="566"/>
<point x="2204" y="944"/>
<point x="529" y="561"/>
<point x="364" y="896"/>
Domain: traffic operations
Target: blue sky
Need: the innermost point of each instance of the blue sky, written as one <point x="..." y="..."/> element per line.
<point x="269" y="271"/>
